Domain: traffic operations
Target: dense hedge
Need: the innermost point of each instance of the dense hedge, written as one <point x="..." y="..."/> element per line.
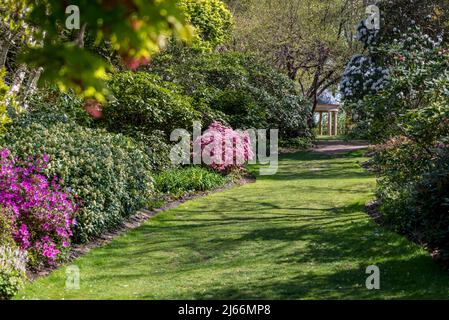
<point x="237" y="89"/>
<point x="109" y="172"/>
<point x="413" y="187"/>
<point x="49" y="106"/>
<point x="145" y="103"/>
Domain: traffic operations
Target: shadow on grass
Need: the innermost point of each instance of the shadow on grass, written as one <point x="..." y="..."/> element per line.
<point x="306" y="165"/>
<point x="342" y="284"/>
<point x="342" y="246"/>
<point x="289" y="240"/>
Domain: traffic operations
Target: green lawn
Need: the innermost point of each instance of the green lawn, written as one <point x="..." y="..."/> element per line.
<point x="301" y="234"/>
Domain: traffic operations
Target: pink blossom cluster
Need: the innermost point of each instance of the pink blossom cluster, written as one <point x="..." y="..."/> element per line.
<point x="223" y="148"/>
<point x="42" y="214"/>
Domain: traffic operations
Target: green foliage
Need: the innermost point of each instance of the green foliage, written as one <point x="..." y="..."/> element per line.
<point x="409" y="118"/>
<point x="12" y="271"/>
<point x="430" y="206"/>
<point x="48" y="106"/>
<point x="212" y="22"/>
<point x="238" y="89"/>
<point x="414" y="189"/>
<point x="134" y="29"/>
<point x="110" y="173"/>
<point x="181" y="181"/>
<point x="144" y="103"/>
<point x="155" y="146"/>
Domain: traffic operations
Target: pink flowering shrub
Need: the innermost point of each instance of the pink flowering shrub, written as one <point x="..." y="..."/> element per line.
<point x="223" y="148"/>
<point x="41" y="214"/>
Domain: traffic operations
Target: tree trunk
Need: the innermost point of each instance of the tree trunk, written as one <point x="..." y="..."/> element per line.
<point x="310" y="121"/>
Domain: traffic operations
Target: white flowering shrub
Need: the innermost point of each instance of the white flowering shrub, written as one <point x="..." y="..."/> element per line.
<point x="367" y="36"/>
<point x="398" y="93"/>
<point x="406" y="25"/>
<point x="362" y="77"/>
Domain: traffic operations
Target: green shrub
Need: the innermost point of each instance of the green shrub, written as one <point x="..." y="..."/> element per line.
<point x="145" y="103"/>
<point x="429" y="207"/>
<point x="156" y="148"/>
<point x="406" y="112"/>
<point x="109" y="172"/>
<point x="242" y="109"/>
<point x="49" y="105"/>
<point x="243" y="91"/>
<point x="12" y="271"/>
<point x="212" y="21"/>
<point x="414" y="191"/>
<point x="180" y="181"/>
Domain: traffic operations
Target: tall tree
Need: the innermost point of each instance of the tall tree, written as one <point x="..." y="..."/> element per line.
<point x="310" y="40"/>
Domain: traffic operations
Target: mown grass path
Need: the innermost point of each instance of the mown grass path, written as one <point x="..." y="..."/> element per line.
<point x="300" y="234"/>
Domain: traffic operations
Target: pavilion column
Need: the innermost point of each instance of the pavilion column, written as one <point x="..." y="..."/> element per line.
<point x="336" y="123"/>
<point x="321" y="123"/>
<point x="329" y="123"/>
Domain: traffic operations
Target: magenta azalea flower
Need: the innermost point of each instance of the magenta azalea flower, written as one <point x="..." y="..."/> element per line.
<point x="42" y="215"/>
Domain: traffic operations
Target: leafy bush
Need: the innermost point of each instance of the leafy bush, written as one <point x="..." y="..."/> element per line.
<point x="211" y="20"/>
<point x="110" y="173"/>
<point x="49" y="105"/>
<point x="239" y="91"/>
<point x="430" y="206"/>
<point x="224" y="149"/>
<point x="242" y="109"/>
<point x="42" y="214"/>
<point x="144" y="103"/>
<point x="12" y="271"/>
<point x="408" y="117"/>
<point x="156" y="148"/>
<point x="413" y="188"/>
<point x="181" y="181"/>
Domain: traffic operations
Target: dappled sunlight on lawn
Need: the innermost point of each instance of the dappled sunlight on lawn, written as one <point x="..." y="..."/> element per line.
<point x="300" y="234"/>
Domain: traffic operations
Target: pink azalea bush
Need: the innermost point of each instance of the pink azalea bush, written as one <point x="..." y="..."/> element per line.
<point x="223" y="148"/>
<point x="41" y="214"/>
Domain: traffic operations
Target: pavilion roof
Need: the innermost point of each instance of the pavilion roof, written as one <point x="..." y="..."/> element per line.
<point x="327" y="98"/>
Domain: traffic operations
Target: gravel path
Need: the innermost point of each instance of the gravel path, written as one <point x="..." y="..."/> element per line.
<point x="339" y="146"/>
